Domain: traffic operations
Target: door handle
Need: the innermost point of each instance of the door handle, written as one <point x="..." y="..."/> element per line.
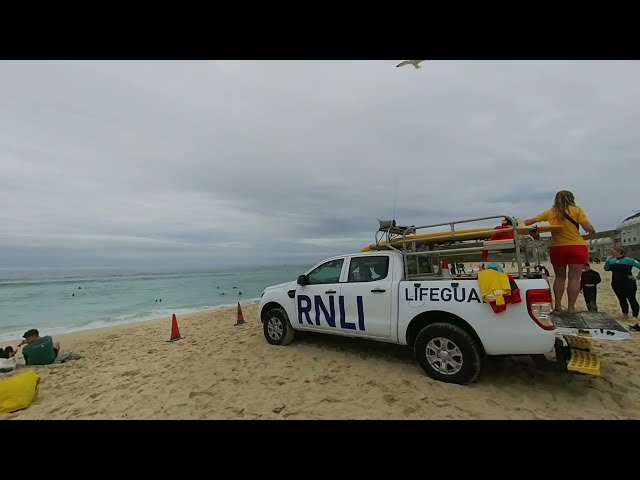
<point x="330" y="292"/>
<point x="378" y="290"/>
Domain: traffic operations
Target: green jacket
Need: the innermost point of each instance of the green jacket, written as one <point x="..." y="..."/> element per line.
<point x="40" y="352"/>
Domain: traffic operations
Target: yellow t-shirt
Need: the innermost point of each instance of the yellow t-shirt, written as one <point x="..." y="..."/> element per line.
<point x="569" y="234"/>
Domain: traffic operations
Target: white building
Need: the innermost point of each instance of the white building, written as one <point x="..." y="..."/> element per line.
<point x="600" y="247"/>
<point x="629" y="231"/>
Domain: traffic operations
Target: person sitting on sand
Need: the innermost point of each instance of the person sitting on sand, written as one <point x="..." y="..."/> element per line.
<point x="8" y="352"/>
<point x="39" y="350"/>
<point x="7" y="359"/>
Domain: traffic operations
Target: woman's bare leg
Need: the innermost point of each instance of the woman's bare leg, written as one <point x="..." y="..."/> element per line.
<point x="573" y="288"/>
<point x="558" y="286"/>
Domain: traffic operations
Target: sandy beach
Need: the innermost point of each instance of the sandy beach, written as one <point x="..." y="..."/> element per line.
<point x="223" y="371"/>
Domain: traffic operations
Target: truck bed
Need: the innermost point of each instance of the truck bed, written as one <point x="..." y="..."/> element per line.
<point x="596" y="325"/>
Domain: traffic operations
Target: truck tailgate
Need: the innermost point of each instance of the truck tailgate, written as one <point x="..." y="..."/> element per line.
<point x="596" y="325"/>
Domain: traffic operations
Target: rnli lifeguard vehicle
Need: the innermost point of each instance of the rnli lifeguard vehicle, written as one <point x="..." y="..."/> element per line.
<point x="401" y="290"/>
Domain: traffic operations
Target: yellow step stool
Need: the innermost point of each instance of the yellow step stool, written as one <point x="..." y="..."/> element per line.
<point x="584" y="362"/>
<point x="579" y="343"/>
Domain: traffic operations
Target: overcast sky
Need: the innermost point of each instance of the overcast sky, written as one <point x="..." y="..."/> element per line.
<point x="215" y="164"/>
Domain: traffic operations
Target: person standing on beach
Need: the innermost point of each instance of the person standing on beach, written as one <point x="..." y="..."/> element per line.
<point x="569" y="251"/>
<point x="589" y="286"/>
<point x="624" y="283"/>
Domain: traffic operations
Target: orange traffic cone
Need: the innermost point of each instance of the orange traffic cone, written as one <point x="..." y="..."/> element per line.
<point x="175" y="331"/>
<point x="240" y="320"/>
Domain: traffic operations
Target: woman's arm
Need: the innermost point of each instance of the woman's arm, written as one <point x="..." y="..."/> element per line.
<point x="588" y="228"/>
<point x="607" y="265"/>
<point x="543" y="217"/>
<point x="584" y="222"/>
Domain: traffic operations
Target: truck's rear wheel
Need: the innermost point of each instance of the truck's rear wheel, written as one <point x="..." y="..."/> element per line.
<point x="277" y="329"/>
<point x="448" y="353"/>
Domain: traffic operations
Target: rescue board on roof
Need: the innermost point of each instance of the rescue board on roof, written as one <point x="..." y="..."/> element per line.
<point x="470" y="234"/>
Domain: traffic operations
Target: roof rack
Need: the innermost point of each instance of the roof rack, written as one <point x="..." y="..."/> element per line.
<point x="415" y="246"/>
<point x="389" y="230"/>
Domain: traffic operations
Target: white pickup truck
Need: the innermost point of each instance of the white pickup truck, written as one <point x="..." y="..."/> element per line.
<point x="444" y="319"/>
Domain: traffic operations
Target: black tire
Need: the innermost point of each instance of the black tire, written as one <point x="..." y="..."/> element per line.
<point x="277" y="329"/>
<point x="452" y="339"/>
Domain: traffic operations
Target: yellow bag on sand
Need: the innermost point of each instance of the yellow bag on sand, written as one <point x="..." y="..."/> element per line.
<point x="18" y="392"/>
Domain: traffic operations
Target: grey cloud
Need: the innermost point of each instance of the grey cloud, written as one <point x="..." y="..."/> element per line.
<point x="260" y="162"/>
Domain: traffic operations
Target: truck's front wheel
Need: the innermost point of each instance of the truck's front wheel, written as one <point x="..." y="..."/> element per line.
<point x="277" y="329"/>
<point x="448" y="353"/>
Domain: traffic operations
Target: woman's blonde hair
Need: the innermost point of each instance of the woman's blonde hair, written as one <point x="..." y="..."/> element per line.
<point x="564" y="199"/>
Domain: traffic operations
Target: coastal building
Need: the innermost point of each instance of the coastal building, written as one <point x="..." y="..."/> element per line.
<point x="629" y="231"/>
<point x="601" y="247"/>
<point x="627" y="235"/>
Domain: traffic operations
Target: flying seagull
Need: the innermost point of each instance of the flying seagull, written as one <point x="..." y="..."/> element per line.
<point x="415" y="63"/>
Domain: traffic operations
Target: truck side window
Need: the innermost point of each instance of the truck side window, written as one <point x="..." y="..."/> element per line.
<point x="326" y="273"/>
<point x="368" y="269"/>
<point x="425" y="265"/>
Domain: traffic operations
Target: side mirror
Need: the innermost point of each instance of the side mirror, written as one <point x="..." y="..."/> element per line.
<point x="303" y="280"/>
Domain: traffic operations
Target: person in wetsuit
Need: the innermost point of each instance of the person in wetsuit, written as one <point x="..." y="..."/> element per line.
<point x="589" y="286"/>
<point x="624" y="283"/>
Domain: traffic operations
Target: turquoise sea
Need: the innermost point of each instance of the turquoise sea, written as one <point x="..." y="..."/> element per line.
<point x="64" y="301"/>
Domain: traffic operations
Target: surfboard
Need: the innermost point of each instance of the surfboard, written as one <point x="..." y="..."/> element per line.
<point x="470" y="234"/>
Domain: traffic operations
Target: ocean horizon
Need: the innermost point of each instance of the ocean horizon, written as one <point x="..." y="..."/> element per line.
<point x="57" y="301"/>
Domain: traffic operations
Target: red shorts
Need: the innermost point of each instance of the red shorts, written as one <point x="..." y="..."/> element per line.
<point x="564" y="255"/>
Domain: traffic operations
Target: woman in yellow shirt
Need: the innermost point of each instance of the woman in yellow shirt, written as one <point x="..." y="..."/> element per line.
<point x="569" y="251"/>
